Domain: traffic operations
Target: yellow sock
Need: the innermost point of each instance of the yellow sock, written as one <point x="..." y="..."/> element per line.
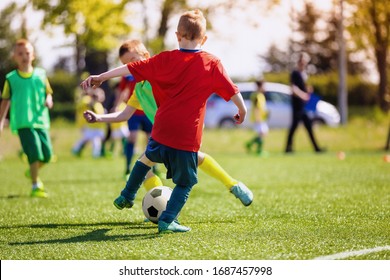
<point x="152" y="182"/>
<point x="211" y="167"/>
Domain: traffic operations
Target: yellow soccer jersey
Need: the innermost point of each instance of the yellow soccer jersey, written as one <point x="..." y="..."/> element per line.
<point x="117" y="125"/>
<point x="86" y="103"/>
<point x="134" y="102"/>
<point x="259" y="108"/>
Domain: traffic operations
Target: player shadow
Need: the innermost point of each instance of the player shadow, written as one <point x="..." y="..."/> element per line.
<point x="97" y="235"/>
<point x="13" y="196"/>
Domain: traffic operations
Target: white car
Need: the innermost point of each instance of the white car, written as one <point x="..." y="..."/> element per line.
<point x="219" y="113"/>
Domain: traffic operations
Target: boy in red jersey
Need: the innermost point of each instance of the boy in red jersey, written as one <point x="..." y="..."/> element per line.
<point x="182" y="81"/>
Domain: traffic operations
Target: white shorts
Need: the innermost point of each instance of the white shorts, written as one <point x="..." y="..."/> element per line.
<point x="261" y="127"/>
<point x="92" y="133"/>
<point x="121" y="132"/>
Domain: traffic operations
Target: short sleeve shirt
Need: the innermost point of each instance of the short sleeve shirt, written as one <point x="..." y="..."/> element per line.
<point x="182" y="82"/>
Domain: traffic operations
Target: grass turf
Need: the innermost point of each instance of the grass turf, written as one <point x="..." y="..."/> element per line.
<point x="305" y="204"/>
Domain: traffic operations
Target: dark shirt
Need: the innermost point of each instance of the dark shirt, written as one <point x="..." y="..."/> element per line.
<point x="296" y="79"/>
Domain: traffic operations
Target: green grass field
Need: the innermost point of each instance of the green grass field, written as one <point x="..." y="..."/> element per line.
<point x="305" y="206"/>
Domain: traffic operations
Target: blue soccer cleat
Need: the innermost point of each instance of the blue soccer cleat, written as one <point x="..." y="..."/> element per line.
<point x="242" y="192"/>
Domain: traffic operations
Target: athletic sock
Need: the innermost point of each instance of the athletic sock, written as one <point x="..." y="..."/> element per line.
<point x="129" y="150"/>
<point x="178" y="198"/>
<point x="211" y="167"/>
<point x="259" y="142"/>
<point x="137" y="175"/>
<point x="152" y="182"/>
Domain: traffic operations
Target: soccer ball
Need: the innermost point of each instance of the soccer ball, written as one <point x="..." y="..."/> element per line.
<point x="155" y="202"/>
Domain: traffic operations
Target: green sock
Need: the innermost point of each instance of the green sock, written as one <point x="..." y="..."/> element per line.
<point x="259" y="142"/>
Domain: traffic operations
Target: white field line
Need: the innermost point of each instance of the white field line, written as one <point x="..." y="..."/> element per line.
<point x="348" y="254"/>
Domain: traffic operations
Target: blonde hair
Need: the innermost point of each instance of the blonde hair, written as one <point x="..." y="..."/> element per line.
<point x="23" y="43"/>
<point x="192" y="25"/>
<point x="133" y="45"/>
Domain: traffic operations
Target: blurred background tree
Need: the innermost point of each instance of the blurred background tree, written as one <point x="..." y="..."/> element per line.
<point x="8" y="37"/>
<point x="315" y="32"/>
<point x="369" y="26"/>
<point x="97" y="27"/>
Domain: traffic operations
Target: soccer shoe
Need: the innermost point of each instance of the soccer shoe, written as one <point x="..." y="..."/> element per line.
<point x="76" y="153"/>
<point x="121" y="202"/>
<point x="242" y="192"/>
<point x="164" y="227"/>
<point x="39" y="192"/>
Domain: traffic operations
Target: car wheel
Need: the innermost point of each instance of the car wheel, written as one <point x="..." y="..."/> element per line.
<point x="227" y="123"/>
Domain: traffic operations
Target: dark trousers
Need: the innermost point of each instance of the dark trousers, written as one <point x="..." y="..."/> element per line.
<point x="297" y="118"/>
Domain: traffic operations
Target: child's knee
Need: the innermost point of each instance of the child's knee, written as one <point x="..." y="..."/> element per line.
<point x="146" y="161"/>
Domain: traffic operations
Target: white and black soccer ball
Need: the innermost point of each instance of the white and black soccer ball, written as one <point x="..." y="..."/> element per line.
<point x="155" y="202"/>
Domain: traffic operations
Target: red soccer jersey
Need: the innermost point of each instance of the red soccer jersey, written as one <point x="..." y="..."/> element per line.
<point x="182" y="81"/>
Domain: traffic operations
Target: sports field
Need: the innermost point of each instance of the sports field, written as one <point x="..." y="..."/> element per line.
<point x="306" y="205"/>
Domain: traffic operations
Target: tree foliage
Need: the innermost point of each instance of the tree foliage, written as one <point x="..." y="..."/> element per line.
<point x="7" y="39"/>
<point x="96" y="25"/>
<point x="369" y="25"/>
<point x="313" y="32"/>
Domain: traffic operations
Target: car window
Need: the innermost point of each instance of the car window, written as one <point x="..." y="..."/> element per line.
<point x="246" y="95"/>
<point x="277" y="97"/>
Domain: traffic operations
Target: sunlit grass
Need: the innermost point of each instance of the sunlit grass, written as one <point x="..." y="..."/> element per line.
<point x="306" y="205"/>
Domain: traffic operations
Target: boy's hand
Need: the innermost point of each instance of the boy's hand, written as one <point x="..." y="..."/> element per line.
<point x="240" y="117"/>
<point x="49" y="101"/>
<point x="1" y="127"/>
<point x="93" y="81"/>
<point x="90" y="116"/>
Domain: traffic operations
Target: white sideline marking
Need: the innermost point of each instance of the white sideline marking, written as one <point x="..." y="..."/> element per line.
<point x="348" y="254"/>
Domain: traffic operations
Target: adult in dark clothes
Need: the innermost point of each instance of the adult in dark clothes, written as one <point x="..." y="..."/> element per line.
<point x="300" y="96"/>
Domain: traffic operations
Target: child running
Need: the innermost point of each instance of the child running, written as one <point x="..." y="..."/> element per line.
<point x="27" y="91"/>
<point x="142" y="98"/>
<point x="182" y="80"/>
<point x="259" y="119"/>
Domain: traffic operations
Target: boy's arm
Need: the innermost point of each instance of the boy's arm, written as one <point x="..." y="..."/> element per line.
<point x="300" y="93"/>
<point x="3" y="112"/>
<point x="49" y="97"/>
<point x="121" y="116"/>
<point x="239" y="102"/>
<point x="95" y="81"/>
<point x="49" y="101"/>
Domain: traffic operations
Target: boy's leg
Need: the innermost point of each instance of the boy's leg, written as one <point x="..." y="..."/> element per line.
<point x="152" y="181"/>
<point x="129" y="151"/>
<point x="37" y="185"/>
<point x="133" y="124"/>
<point x="211" y="167"/>
<point x="80" y="144"/>
<point x="96" y="147"/>
<point x="137" y="175"/>
<point x="182" y="168"/>
<point x="259" y="142"/>
<point x="166" y="222"/>
<point x="35" y="144"/>
<point x="249" y="144"/>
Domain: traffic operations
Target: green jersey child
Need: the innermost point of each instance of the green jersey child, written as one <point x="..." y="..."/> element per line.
<point x="27" y="91"/>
